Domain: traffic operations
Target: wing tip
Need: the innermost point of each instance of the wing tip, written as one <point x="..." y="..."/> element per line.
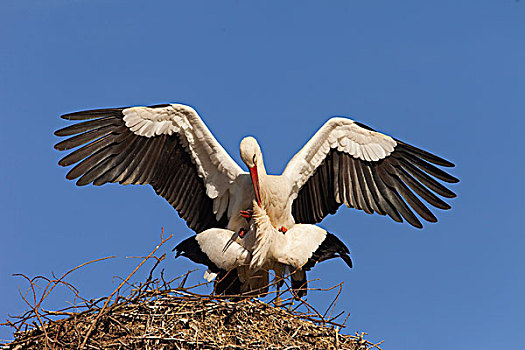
<point x="80" y="183"/>
<point x="431" y="157"/>
<point x="347" y="259"/>
<point x="76" y="115"/>
<point x="417" y="224"/>
<point x="449" y="194"/>
<point x="454" y="180"/>
<point x="443" y="162"/>
<point x="92" y="113"/>
<point x="59" y="132"/>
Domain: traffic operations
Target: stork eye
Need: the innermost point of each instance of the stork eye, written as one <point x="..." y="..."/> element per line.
<point x="254" y="159"/>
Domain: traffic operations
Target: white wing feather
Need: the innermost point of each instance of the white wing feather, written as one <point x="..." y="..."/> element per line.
<point x="344" y="135"/>
<point x="221" y="249"/>
<point x="214" y="164"/>
<point x="293" y="248"/>
<point x="301" y="242"/>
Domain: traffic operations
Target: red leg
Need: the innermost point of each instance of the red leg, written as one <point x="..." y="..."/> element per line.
<point x="242" y="233"/>
<point x="247" y="214"/>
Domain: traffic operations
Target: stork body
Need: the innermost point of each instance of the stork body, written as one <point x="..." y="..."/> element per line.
<point x="275" y="198"/>
<point x="247" y="261"/>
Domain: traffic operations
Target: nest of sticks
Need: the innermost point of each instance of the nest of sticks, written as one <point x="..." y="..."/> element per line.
<point x="160" y="314"/>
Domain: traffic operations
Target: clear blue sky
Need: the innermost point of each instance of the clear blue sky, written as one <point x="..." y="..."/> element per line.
<point x="447" y="76"/>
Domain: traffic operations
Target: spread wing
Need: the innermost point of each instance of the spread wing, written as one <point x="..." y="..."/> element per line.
<point x="348" y="162"/>
<point x="166" y="146"/>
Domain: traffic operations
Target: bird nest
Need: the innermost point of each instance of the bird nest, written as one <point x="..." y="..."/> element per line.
<point x="160" y="314"/>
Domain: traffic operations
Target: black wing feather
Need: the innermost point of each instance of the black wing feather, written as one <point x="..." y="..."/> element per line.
<point x="390" y="186"/>
<point x="109" y="152"/>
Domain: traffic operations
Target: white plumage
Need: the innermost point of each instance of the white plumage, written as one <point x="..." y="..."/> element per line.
<point x="292" y="248"/>
<point x="262" y="249"/>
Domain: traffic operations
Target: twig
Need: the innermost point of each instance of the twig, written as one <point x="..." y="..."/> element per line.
<point x="95" y="321"/>
<point x="375" y="345"/>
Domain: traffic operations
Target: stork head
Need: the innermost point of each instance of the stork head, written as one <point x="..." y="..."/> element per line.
<point x="251" y="155"/>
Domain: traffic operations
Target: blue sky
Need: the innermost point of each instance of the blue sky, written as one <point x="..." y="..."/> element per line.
<point x="447" y="76"/>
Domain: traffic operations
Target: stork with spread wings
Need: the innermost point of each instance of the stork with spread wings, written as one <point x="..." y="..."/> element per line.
<point x="170" y="148"/>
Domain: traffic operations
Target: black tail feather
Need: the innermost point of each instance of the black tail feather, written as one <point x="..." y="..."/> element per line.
<point x="299" y="284"/>
<point x="331" y="247"/>
<point x="226" y="282"/>
<point x="190" y="249"/>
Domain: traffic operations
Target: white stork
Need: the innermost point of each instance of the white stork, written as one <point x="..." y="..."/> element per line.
<point x="170" y="148"/>
<point x="241" y="265"/>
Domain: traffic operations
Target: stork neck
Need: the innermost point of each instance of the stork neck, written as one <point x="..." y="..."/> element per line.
<point x="263" y="182"/>
<point x="260" y="167"/>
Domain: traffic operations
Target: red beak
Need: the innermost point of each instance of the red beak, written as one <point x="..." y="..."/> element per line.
<point x="255" y="183"/>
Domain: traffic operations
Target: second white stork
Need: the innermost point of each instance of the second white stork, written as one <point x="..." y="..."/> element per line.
<point x="170" y="148"/>
<point x="241" y="265"/>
